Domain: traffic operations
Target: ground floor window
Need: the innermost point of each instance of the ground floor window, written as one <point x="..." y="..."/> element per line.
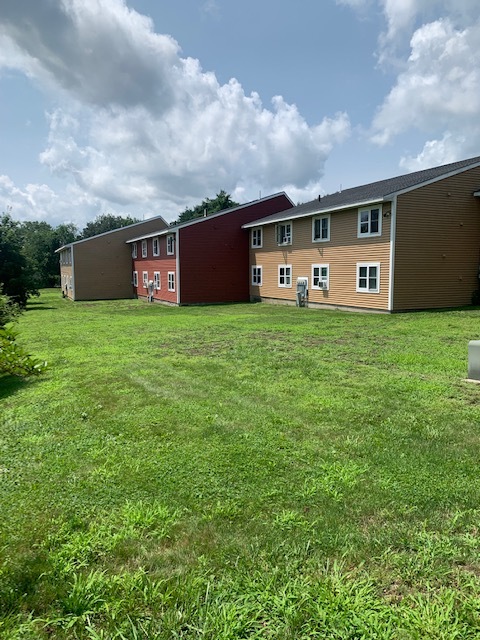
<point x="156" y="279"/>
<point x="284" y="275"/>
<point x="257" y="276"/>
<point x="135" y="279"/>
<point x="171" y="281"/>
<point x="320" y="276"/>
<point x="145" y="278"/>
<point x="368" y="277"/>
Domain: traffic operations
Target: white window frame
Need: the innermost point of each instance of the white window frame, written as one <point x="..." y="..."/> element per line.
<point x="171" y="280"/>
<point x="157" y="283"/>
<point x="171" y="247"/>
<point x="367" y="212"/>
<point x="287" y="277"/>
<point x="134" y="250"/>
<point x="144" y="249"/>
<point x="155" y="247"/>
<point x="257" y="275"/>
<point x="145" y="279"/>
<point x="135" y="279"/>
<point x="257" y="238"/>
<point x="320" y="277"/>
<point x="319" y="219"/>
<point x="284" y="237"/>
<point x="368" y="266"/>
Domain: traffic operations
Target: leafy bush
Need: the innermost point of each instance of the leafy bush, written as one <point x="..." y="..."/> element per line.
<point x="14" y="360"/>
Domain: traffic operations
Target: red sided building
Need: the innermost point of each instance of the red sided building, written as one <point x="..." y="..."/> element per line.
<point x="202" y="261"/>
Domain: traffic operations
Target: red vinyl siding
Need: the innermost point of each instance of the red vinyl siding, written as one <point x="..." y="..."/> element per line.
<point x="214" y="255"/>
<point x="162" y="263"/>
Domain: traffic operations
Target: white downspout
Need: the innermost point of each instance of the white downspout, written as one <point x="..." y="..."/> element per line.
<point x="177" y="261"/>
<point x="393" y="234"/>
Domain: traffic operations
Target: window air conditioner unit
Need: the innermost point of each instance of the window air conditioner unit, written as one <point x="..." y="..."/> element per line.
<point x="322" y="284"/>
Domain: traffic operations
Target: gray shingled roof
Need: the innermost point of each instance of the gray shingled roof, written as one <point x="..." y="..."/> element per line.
<point x="373" y="192"/>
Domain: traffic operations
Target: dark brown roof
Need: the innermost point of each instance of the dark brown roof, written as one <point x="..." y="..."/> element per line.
<point x="373" y="192"/>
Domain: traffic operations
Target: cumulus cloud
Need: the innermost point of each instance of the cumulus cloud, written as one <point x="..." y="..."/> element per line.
<point x="139" y="124"/>
<point x="433" y="46"/>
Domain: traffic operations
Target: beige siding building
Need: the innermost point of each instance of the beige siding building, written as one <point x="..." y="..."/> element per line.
<point x="100" y="267"/>
<point x="411" y="242"/>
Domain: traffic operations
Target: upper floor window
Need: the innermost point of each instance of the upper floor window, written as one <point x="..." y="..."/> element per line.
<point x="170" y="245"/>
<point x="284" y="233"/>
<point x="155" y="247"/>
<point x="144" y="249"/>
<point x="257" y="239"/>
<point x="321" y="229"/>
<point x="134" y="250"/>
<point x="369" y="222"/>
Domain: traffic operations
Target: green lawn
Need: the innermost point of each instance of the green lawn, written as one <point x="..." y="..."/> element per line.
<point x="241" y="471"/>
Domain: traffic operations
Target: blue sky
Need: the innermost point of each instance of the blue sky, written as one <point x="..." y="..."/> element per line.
<point x="148" y="106"/>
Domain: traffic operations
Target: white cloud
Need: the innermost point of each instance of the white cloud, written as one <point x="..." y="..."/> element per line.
<point x="139" y="125"/>
<point x="434" y="47"/>
<point x="440" y="89"/>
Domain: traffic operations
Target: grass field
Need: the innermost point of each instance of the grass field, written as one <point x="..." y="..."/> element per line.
<point x="242" y="471"/>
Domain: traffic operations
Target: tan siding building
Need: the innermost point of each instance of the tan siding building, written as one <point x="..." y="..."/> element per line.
<point x="100" y="267"/>
<point x="411" y="242"/>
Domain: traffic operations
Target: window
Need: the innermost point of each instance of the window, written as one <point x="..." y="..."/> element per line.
<point x="155" y="247"/>
<point x="369" y="222"/>
<point x="171" y="246"/>
<point x="321" y="229"/>
<point x="156" y="280"/>
<point x="134" y="250"/>
<point x="284" y="233"/>
<point x="171" y="281"/>
<point x="135" y="279"/>
<point x="285" y="275"/>
<point x="257" y="240"/>
<point x="144" y="248"/>
<point x="368" y="277"/>
<point x="257" y="276"/>
<point x="145" y="279"/>
<point x="320" y="276"/>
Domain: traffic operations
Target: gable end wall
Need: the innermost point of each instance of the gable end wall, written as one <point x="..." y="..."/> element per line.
<point x="437" y="249"/>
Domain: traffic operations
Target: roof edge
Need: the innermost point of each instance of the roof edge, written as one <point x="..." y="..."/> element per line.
<point x="176" y="227"/>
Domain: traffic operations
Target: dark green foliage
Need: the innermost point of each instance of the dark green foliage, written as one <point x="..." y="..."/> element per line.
<point x="17" y="281"/>
<point x="14" y="360"/>
<point x="221" y="202"/>
<point x="106" y="222"/>
<point x="40" y="242"/>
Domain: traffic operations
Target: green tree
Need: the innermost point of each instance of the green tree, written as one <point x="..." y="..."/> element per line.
<point x="221" y="202"/>
<point x="40" y="242"/>
<point x="15" y="277"/>
<point x="106" y="222"/>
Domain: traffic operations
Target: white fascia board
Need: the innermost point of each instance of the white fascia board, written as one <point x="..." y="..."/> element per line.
<point x="315" y="212"/>
<point x="210" y="217"/>
<point x="449" y="174"/>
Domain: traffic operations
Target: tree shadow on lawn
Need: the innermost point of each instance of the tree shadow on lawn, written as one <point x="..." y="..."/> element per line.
<point x="11" y="384"/>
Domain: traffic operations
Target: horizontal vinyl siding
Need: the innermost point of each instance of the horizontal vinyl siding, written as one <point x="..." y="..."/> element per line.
<point x="341" y="253"/>
<point x="214" y="254"/>
<point x="162" y="263"/>
<point x="438" y="244"/>
<point x="103" y="264"/>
